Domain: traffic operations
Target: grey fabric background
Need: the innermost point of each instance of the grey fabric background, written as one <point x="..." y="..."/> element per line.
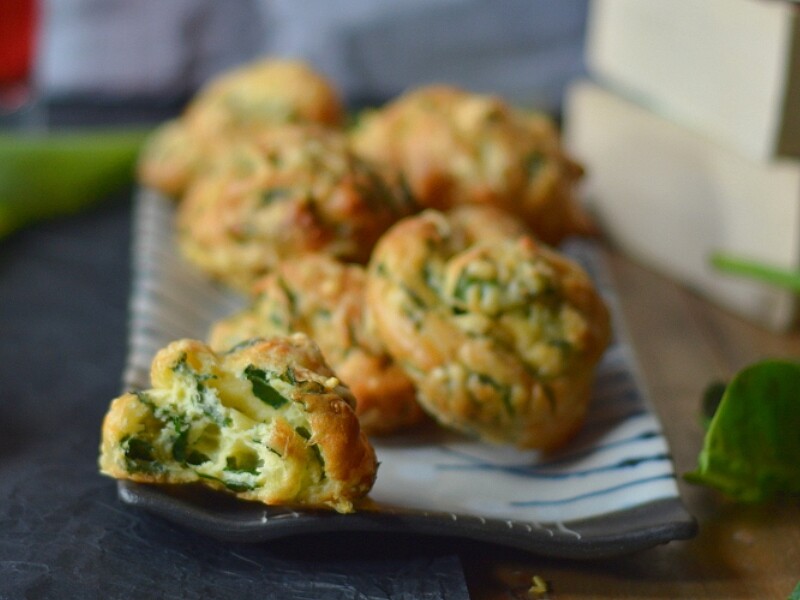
<point x="373" y="50"/>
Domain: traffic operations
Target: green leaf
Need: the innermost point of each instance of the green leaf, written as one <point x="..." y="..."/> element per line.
<point x="262" y="389"/>
<point x="795" y="595"/>
<point x="712" y="397"/>
<point x="49" y="175"/>
<point x="751" y="450"/>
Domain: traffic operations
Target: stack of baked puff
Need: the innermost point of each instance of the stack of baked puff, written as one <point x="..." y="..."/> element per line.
<point x="416" y="248"/>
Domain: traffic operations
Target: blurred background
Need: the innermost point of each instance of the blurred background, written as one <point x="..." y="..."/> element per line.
<point x="684" y="113"/>
<point x="153" y="54"/>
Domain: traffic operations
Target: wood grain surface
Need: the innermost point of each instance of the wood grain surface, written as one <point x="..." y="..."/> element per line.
<point x="682" y="343"/>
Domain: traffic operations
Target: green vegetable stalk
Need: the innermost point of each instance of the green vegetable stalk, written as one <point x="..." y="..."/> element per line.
<point x="744" y="267"/>
<point x="49" y="175"/>
<point x="752" y="447"/>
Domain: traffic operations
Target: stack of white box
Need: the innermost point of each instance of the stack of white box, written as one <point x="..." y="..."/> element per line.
<point x="690" y="132"/>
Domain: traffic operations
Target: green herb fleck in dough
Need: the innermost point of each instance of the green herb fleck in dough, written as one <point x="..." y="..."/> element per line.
<point x="244" y="464"/>
<point x="140" y="456"/>
<point x="273" y="194"/>
<point x="534" y="163"/>
<point x="262" y="389"/>
<point x="502" y="389"/>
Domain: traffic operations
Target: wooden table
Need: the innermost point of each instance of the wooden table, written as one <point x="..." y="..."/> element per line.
<point x="682" y="343"/>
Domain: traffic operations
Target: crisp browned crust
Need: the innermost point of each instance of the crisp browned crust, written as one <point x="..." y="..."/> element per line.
<point x="236" y="105"/>
<point x="456" y="147"/>
<point x="500" y="335"/>
<point x="294" y="191"/>
<point x="267" y="421"/>
<point x="324" y="298"/>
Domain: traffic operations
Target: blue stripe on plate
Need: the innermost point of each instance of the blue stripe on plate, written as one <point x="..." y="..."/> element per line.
<point x="477" y="463"/>
<point x="536" y="473"/>
<point x="593" y="493"/>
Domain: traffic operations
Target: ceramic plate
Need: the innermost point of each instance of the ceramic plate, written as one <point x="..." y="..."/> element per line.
<point x="611" y="491"/>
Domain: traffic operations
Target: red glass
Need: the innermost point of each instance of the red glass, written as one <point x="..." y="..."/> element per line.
<point x="17" y="46"/>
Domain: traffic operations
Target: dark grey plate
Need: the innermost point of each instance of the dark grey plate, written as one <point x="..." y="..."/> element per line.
<point x="225" y="518"/>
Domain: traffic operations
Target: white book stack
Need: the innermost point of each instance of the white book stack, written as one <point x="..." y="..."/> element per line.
<point x="690" y="132"/>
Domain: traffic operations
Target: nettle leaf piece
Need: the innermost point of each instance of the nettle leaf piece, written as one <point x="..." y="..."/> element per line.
<point x="752" y="447"/>
<point x="262" y="389"/>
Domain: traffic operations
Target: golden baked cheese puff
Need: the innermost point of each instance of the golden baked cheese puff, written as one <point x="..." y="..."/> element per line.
<point x="474" y="223"/>
<point x="169" y="158"/>
<point x="269" y="90"/>
<point x="237" y="104"/>
<point x="267" y="421"/>
<point x="324" y="298"/>
<point x="294" y="191"/>
<point x="456" y="147"/>
<point x="501" y="336"/>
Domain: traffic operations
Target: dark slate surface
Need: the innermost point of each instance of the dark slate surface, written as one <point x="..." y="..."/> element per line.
<point x="63" y="532"/>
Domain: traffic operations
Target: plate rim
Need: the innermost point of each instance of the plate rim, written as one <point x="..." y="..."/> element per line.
<point x="645" y="525"/>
